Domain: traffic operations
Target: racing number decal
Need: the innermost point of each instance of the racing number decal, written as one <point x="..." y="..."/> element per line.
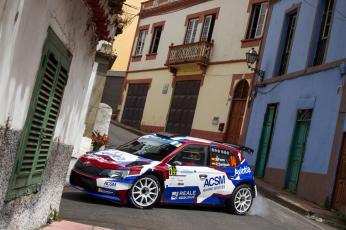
<point x="172" y="171"/>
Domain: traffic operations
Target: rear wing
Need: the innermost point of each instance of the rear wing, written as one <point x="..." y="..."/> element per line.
<point x="242" y="148"/>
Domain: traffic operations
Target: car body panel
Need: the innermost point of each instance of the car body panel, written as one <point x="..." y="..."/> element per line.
<point x="212" y="184"/>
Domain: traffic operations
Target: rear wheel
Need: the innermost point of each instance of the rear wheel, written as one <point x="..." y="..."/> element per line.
<point x="146" y="192"/>
<point x="241" y="200"/>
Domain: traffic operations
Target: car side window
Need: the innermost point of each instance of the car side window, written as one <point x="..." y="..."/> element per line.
<point x="191" y="155"/>
<point x="220" y="157"/>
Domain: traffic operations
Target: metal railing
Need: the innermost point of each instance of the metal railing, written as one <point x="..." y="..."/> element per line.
<point x="198" y="52"/>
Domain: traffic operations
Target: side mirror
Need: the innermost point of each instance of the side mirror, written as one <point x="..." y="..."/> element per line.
<point x="177" y="163"/>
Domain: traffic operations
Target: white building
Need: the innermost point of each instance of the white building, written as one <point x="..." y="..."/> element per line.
<point x="47" y="51"/>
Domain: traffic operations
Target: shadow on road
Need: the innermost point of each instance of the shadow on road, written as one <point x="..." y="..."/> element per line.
<point x="85" y="198"/>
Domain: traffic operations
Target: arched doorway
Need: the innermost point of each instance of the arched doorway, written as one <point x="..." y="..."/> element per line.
<point x="236" y="115"/>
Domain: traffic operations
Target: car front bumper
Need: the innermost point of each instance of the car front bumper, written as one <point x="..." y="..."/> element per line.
<point x="106" y="188"/>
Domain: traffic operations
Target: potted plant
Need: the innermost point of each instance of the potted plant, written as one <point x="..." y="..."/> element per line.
<point x="98" y="140"/>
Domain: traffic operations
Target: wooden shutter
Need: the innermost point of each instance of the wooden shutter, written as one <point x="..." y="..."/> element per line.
<point x="41" y="119"/>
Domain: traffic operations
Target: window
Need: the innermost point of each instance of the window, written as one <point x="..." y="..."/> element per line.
<point x="223" y="158"/>
<point x="191" y="31"/>
<point x="37" y="136"/>
<point x="290" y="26"/>
<point x="192" y="155"/>
<point x="327" y="6"/>
<point x="156" y="40"/>
<point x="208" y="27"/>
<point x="150" y="147"/>
<point x="257" y="20"/>
<point x="140" y="42"/>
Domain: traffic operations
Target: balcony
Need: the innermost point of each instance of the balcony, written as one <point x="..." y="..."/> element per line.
<point x="195" y="53"/>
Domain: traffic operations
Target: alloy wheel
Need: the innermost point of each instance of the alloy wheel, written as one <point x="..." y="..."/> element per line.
<point x="243" y="200"/>
<point x="145" y="192"/>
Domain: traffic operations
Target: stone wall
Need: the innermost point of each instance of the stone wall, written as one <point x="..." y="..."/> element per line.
<point x="31" y="212"/>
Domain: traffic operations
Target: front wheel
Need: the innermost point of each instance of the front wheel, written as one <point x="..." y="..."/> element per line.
<point x="241" y="200"/>
<point x="146" y="192"/>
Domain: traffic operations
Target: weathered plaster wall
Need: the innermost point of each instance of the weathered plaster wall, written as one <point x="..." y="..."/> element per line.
<point x="21" y="42"/>
<point x="30" y="212"/>
<point x="23" y="30"/>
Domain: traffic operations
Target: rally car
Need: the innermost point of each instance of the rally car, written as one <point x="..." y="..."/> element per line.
<point x="168" y="169"/>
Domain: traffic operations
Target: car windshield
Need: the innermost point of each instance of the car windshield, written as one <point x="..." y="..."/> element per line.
<point x="151" y="147"/>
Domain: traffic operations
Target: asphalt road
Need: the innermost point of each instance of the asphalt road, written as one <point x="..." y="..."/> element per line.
<point x="265" y="214"/>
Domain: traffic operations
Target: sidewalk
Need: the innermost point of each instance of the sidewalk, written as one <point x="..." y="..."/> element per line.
<point x="299" y="205"/>
<point x="64" y="225"/>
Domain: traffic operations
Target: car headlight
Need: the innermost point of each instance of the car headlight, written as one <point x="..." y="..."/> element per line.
<point x="116" y="174"/>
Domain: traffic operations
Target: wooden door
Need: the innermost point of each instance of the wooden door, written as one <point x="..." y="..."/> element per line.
<point x="265" y="141"/>
<point x="297" y="151"/>
<point x="339" y="198"/>
<point x="134" y="104"/>
<point x="183" y="107"/>
<point x="236" y="117"/>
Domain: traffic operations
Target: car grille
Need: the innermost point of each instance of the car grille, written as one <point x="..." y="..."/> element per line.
<point x="88" y="169"/>
<point x="82" y="181"/>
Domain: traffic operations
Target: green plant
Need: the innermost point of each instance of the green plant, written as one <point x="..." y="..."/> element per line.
<point x="53" y="216"/>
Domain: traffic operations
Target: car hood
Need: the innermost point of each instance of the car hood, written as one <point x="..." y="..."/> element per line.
<point x="112" y="158"/>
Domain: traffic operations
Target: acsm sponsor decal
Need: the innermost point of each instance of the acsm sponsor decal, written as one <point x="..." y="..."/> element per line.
<point x="214" y="183"/>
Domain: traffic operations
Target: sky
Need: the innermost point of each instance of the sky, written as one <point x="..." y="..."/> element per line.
<point x="123" y="43"/>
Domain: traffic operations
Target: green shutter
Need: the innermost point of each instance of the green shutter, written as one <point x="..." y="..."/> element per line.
<point x="41" y="120"/>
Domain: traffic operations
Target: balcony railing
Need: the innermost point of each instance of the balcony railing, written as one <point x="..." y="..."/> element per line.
<point x="198" y="53"/>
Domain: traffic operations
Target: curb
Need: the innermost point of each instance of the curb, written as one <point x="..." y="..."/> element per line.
<point x="331" y="220"/>
<point x="129" y="128"/>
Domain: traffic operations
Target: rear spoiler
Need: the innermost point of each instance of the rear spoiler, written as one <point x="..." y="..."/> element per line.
<point x="241" y="148"/>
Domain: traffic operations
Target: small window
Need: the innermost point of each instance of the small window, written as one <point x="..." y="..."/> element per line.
<point x="191" y="31"/>
<point x="328" y="6"/>
<point x="192" y="155"/>
<point x="257" y="20"/>
<point x="208" y="27"/>
<point x="140" y="42"/>
<point x="220" y="157"/>
<point x="290" y="24"/>
<point x="156" y="40"/>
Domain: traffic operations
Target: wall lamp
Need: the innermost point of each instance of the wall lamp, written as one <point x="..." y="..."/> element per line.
<point x="251" y="58"/>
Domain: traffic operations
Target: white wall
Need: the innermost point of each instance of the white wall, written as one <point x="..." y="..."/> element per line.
<point x="21" y="43"/>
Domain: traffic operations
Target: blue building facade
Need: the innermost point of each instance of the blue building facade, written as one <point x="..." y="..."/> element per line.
<point x="297" y="119"/>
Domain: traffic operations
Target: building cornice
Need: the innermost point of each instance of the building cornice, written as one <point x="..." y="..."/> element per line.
<point x="302" y="73"/>
<point x="168" y="7"/>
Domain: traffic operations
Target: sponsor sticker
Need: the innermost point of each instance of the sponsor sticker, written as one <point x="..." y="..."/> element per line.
<point x="243" y="170"/>
<point x="214" y="183"/>
<point x="184" y="195"/>
<point x="106" y="191"/>
<point x="109" y="184"/>
<point x="172" y="171"/>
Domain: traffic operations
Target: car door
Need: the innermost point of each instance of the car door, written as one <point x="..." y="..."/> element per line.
<point x="187" y="175"/>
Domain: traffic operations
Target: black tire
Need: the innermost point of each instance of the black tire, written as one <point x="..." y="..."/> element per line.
<point x="235" y="203"/>
<point x="139" y="191"/>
